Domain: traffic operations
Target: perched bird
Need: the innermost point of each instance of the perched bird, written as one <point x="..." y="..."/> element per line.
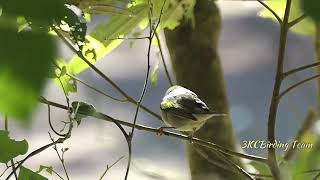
<point x="183" y="110"/>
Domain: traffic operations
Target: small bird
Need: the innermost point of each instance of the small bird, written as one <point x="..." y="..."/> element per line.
<point x="182" y="110"/>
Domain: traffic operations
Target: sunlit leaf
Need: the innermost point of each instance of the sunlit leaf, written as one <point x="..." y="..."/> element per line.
<point x="49" y="169"/>
<point x="154" y="74"/>
<point x="27" y="174"/>
<point x="173" y="12"/>
<point x="305" y="27"/>
<point x="11" y="148"/>
<point x="63" y="80"/>
<point x="104" y="36"/>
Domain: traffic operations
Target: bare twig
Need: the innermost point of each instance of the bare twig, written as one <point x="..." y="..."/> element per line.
<point x="316" y="177"/>
<point x="146" y="80"/>
<point x="127" y="38"/>
<point x="95" y="89"/>
<point x="50" y="123"/>
<point x="272" y="11"/>
<point x="272" y="160"/>
<point x="226" y="167"/>
<point x="300" y="69"/>
<point x="60" y="158"/>
<point x="296" y="21"/>
<point x="109" y="167"/>
<point x="236" y="168"/>
<point x="200" y="142"/>
<point x="297" y="85"/>
<point x="163" y="60"/>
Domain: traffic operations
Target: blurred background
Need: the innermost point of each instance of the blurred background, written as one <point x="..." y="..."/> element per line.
<point x="248" y="49"/>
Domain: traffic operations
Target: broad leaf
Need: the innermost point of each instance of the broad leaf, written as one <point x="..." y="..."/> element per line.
<point x="63" y="80"/>
<point x="98" y="44"/>
<point x="311" y="8"/>
<point x="11" y="148"/>
<point x="305" y="27"/>
<point x="41" y="12"/>
<point x="27" y="174"/>
<point x="25" y="60"/>
<point x="82" y="110"/>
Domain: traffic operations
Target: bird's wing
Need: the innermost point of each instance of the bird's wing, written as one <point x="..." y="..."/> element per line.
<point x="193" y="104"/>
<point x="177" y="110"/>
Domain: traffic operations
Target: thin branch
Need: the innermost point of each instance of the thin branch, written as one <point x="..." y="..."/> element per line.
<point x="200" y="142"/>
<point x="163" y="60"/>
<point x="37" y="151"/>
<point x="272" y="11"/>
<point x="224" y="159"/>
<point x="226" y="167"/>
<point x="50" y="123"/>
<point x="308" y="123"/>
<point x="57" y="174"/>
<point x="60" y="158"/>
<point x="127" y="38"/>
<point x="109" y="167"/>
<point x="95" y="89"/>
<point x="101" y="74"/>
<point x="272" y="160"/>
<point x="316" y="177"/>
<point x="300" y="69"/>
<point x="297" y="85"/>
<point x="296" y="21"/>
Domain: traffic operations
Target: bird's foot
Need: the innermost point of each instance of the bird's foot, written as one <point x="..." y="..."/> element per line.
<point x="160" y="130"/>
<point x="190" y="138"/>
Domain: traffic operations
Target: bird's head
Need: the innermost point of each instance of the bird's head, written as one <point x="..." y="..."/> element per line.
<point x="176" y="90"/>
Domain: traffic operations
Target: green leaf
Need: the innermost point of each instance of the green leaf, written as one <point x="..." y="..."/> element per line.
<point x="82" y="110"/>
<point x="37" y="11"/>
<point x="154" y="74"/>
<point x="76" y="24"/>
<point x="305" y="27"/>
<point x="11" y="148"/>
<point x="49" y="169"/>
<point x="117" y="26"/>
<point x="311" y="8"/>
<point x="262" y="168"/>
<point x="27" y="174"/>
<point x="25" y="60"/>
<point x="173" y="12"/>
<point x="306" y="158"/>
<point x="67" y="83"/>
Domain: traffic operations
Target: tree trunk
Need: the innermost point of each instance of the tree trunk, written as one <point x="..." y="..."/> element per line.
<point x="196" y="63"/>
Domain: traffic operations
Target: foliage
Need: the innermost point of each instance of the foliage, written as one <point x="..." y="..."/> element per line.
<point x="11" y="148"/>
<point x="305" y="27"/>
<point x="27" y="174"/>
